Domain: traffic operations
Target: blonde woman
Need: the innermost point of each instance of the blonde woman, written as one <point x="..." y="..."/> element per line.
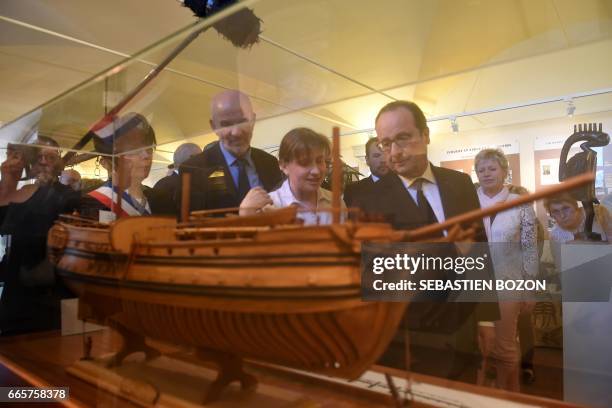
<point x="517" y="258"/>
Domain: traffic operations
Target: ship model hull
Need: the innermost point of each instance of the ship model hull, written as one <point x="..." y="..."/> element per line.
<point x="265" y="288"/>
<point x="288" y="295"/>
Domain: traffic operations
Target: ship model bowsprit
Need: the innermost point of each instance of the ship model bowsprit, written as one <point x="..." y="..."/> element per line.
<point x="262" y="287"/>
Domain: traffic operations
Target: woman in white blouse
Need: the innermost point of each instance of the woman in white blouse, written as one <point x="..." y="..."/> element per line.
<point x="513" y="238"/>
<point x="303" y="156"/>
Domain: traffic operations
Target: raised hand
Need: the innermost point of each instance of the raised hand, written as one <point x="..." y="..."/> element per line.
<point x="254" y="201"/>
<point x="13" y="166"/>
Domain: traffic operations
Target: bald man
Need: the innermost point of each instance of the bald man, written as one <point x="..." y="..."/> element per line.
<point x="228" y="168"/>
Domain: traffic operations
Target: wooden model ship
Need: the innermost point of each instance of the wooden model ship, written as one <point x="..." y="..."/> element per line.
<point x="280" y="292"/>
<point x="261" y="287"/>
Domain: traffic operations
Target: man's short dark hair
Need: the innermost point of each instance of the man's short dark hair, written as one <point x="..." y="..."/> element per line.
<point x="419" y="117"/>
<point x="371" y="142"/>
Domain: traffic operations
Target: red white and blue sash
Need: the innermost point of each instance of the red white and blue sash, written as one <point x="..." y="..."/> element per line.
<point x="106" y="196"/>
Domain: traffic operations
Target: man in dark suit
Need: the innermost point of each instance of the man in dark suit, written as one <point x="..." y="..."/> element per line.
<point x="375" y="159"/>
<point x="167" y="188"/>
<point x="227" y="169"/>
<point x="443" y="336"/>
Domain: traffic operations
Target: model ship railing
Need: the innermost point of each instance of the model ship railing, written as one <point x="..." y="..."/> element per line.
<point x="458" y="228"/>
<point x="207" y="233"/>
<point x="205" y="227"/>
<point x="247" y="226"/>
<point x="80" y="221"/>
<point x="268" y="217"/>
<point x="231" y="218"/>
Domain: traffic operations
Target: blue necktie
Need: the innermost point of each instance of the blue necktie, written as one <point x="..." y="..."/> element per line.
<point x="243" y="179"/>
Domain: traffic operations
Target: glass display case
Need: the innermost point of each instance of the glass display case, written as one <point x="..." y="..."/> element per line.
<point x="513" y="75"/>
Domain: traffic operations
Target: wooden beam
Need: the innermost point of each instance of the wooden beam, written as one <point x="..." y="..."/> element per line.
<point x="336" y="176"/>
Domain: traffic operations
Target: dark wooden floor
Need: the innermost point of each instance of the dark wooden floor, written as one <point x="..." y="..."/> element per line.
<point x="9" y="379"/>
<point x="47" y="357"/>
<point x="548" y="368"/>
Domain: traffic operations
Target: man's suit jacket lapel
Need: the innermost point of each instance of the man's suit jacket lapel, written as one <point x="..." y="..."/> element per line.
<point x="405" y="208"/>
<point x="362" y="188"/>
<point x="399" y="202"/>
<point x="267" y="170"/>
<point x="448" y="194"/>
<point x="260" y="168"/>
<point x="397" y="189"/>
<point x="217" y="157"/>
<point x="404" y="198"/>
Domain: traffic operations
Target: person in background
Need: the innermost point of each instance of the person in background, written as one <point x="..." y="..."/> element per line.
<point x="569" y="219"/>
<point x="569" y="223"/>
<point x="514" y="251"/>
<point x="31" y="297"/>
<point x="168" y="187"/>
<point x="227" y="169"/>
<point x="304" y="156"/>
<point x="71" y="178"/>
<point x="134" y="142"/>
<point x="375" y="159"/>
<point x="525" y="322"/>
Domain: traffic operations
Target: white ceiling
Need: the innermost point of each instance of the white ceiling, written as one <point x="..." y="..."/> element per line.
<point x="319" y="63"/>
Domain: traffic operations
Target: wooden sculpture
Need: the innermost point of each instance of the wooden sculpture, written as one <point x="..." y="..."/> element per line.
<point x="584" y="162"/>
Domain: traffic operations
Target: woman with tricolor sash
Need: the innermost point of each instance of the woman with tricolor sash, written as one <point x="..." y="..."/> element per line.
<point x="127" y="145"/>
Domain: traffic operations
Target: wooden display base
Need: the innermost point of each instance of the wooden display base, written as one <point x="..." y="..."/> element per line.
<point x="48" y="360"/>
<point x="160" y="381"/>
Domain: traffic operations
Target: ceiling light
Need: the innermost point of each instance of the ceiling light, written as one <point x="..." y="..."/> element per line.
<point x="571" y="108"/>
<point x="454" y="125"/>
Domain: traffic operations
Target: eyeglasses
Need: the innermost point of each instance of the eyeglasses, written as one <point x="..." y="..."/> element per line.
<point x="49" y="156"/>
<point x="401" y="140"/>
<point x="563" y="211"/>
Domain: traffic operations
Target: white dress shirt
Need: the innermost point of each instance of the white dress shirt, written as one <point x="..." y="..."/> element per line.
<point x="283" y="197"/>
